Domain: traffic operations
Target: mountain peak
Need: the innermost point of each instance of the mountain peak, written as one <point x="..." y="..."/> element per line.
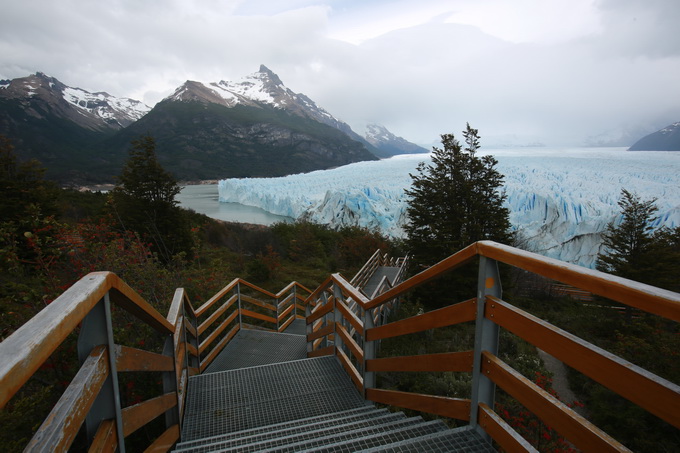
<point x="388" y="143"/>
<point x="89" y="110"/>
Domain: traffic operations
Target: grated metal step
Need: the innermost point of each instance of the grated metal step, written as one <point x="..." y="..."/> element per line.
<point x="219" y="403"/>
<point x="459" y="440"/>
<point x="367" y="437"/>
<point x="329" y="430"/>
<point x="251" y="347"/>
<point x="326" y="419"/>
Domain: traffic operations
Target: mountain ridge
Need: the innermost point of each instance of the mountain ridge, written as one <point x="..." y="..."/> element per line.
<point x="252" y="127"/>
<point x="666" y="139"/>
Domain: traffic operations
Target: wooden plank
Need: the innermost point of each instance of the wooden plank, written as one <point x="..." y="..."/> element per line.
<point x="165" y="441"/>
<point x="125" y="297"/>
<point x="447" y="316"/>
<point x="214" y="299"/>
<point x="442" y="267"/>
<point x="446" y="361"/>
<point x="134" y="417"/>
<point x="286" y="312"/>
<point x="258" y="289"/>
<point x="328" y="350"/>
<point x="23" y="352"/>
<point x="106" y="439"/>
<point x="326" y="330"/>
<point x="502" y="433"/>
<point x="132" y="359"/>
<point x="192" y="350"/>
<point x="252" y="314"/>
<point x="218" y="347"/>
<point x="285" y="325"/>
<point x="190" y="329"/>
<point x="324" y="310"/>
<point x="438" y="405"/>
<point x="576" y="429"/>
<point x="216" y="314"/>
<point x="180" y="360"/>
<point x="349" y="315"/>
<point x="351" y="371"/>
<point x="175" y="310"/>
<point x="348" y="290"/>
<point x="61" y="426"/>
<point x="645" y="297"/>
<point x="216" y="333"/>
<point x="347" y="339"/>
<point x="651" y="392"/>
<point x="320" y="289"/>
<point x="257" y="302"/>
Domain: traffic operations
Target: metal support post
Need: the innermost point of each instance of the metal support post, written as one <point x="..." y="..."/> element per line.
<point x="240" y="316"/>
<point x="369" y="352"/>
<point x="486" y="339"/>
<point x="337" y="316"/>
<point x="96" y="330"/>
<point x="170" y="381"/>
<point x="308" y="327"/>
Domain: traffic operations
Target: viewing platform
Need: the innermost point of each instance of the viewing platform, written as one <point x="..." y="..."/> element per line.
<point x="252" y="370"/>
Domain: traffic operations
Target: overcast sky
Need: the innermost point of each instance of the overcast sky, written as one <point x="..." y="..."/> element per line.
<point x="554" y="71"/>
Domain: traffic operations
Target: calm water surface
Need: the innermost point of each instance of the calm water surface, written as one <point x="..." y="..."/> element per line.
<point x="203" y="199"/>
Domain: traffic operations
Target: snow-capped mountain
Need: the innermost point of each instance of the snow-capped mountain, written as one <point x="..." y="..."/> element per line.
<point x="263" y="88"/>
<point x="388" y="143"/>
<point x="41" y="95"/>
<point x="254" y="126"/>
<point x="560" y="200"/>
<point x="666" y="139"/>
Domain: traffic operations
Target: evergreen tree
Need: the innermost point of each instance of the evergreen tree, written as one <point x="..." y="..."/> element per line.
<point x="144" y="201"/>
<point x="628" y="245"/>
<point x="455" y="201"/>
<point x="633" y="250"/>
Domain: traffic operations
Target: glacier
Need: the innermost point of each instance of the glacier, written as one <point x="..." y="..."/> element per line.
<point x="560" y="200"/>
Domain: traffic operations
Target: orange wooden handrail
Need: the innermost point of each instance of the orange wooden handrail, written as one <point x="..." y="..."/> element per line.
<point x="657" y="395"/>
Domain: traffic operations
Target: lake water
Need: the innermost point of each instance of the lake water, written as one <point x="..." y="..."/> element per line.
<point x="203" y="199"/>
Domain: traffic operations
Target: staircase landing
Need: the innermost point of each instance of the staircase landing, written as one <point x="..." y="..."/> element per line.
<point x="262" y="394"/>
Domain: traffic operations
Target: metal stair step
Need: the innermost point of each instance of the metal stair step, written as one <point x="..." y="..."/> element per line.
<point x="462" y="439"/>
<point x="228" y="401"/>
<point x="363" y="438"/>
<point x="309" y="424"/>
<point x="303" y="433"/>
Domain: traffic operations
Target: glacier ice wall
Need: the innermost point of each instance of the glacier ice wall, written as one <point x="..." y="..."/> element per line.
<point x="560" y="200"/>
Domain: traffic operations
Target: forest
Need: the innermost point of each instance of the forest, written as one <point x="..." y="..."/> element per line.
<point x="51" y="237"/>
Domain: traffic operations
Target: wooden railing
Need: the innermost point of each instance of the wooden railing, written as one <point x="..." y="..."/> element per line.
<point x="357" y="351"/>
<point x="242" y="304"/>
<point x="92" y="397"/>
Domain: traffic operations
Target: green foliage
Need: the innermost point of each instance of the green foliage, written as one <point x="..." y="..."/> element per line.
<point x="144" y="202"/>
<point x="452" y="203"/>
<point x="628" y="245"/>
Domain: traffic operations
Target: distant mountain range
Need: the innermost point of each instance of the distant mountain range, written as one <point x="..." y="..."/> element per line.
<point x="666" y="139"/>
<point x="247" y="128"/>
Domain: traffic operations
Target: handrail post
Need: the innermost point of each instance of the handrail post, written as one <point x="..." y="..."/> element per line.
<point x="95" y="330"/>
<point x="486" y="339"/>
<point x="337" y="315"/>
<point x="169" y="379"/>
<point x="309" y="328"/>
<point x="240" y="316"/>
<point x="369" y="352"/>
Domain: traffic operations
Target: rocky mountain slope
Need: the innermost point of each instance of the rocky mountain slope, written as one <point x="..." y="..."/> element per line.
<point x="251" y="127"/>
<point x="389" y="144"/>
<point x="666" y="139"/>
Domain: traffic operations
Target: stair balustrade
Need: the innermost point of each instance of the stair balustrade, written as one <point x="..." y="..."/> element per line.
<point x="92" y="397"/>
<point x="331" y="318"/>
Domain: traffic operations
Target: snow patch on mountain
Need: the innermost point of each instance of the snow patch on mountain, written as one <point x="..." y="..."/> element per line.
<point x="560" y="200"/>
<point x="104" y="105"/>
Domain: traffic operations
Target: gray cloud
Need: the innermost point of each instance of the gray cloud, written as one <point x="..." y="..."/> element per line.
<point x="421" y="79"/>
